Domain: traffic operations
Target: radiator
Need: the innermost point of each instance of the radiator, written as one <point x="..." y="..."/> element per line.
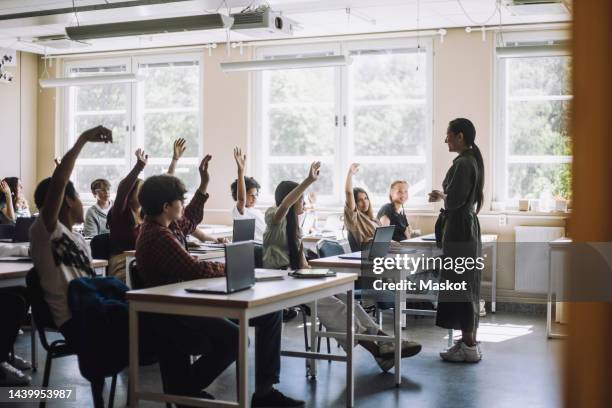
<point x="531" y="261"/>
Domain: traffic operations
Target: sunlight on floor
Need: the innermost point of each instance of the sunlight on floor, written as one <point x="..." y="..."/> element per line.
<point x="496" y="333"/>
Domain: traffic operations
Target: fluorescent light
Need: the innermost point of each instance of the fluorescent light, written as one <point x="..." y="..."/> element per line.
<point x="286" y="63"/>
<point x="89" y="80"/>
<point x="149" y="27"/>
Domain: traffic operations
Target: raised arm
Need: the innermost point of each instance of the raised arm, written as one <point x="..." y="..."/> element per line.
<point x="297" y="192"/>
<point x="177" y="152"/>
<point x="194" y="211"/>
<point x="126" y="185"/>
<point x="8" y="211"/>
<point x="241" y="191"/>
<point x="348" y="186"/>
<point x="61" y="175"/>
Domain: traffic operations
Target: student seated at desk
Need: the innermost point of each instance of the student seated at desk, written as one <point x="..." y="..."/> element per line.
<point x="20" y="204"/>
<point x="162" y="259"/>
<point x="283" y="249"/>
<point x="7" y="212"/>
<point x="359" y="217"/>
<point x="95" y="218"/>
<point x="393" y="212"/>
<point x="124" y="217"/>
<point x="245" y="191"/>
<point x="59" y="254"/>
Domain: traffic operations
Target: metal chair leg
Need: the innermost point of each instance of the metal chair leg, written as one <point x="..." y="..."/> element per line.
<point x="46" y="375"/>
<point x="303" y="312"/>
<point x="96" y="393"/>
<point x="111" y="395"/>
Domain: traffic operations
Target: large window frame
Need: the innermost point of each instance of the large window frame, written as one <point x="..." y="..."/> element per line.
<point x="343" y="155"/>
<point x="501" y="143"/>
<point x="134" y="125"/>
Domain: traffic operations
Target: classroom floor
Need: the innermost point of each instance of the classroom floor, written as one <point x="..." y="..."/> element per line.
<point x="520" y="368"/>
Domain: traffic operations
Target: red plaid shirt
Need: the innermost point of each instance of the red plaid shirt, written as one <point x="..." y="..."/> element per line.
<point x="160" y="252"/>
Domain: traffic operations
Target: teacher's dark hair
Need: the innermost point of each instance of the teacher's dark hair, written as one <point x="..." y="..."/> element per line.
<point x="465" y="126"/>
<point x="292" y="229"/>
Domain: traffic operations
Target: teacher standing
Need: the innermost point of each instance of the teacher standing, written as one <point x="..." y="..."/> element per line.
<point x="458" y="234"/>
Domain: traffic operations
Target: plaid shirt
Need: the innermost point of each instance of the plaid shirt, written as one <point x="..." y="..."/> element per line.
<point x="161" y="254"/>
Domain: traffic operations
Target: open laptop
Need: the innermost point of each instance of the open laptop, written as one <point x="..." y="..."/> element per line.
<point x="377" y="248"/>
<point x="244" y="230"/>
<point x="22" y="229"/>
<point x="239" y="270"/>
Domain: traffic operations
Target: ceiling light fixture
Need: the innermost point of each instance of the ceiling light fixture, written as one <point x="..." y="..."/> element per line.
<point x="89" y="80"/>
<point x="286" y="63"/>
<point x="149" y="27"/>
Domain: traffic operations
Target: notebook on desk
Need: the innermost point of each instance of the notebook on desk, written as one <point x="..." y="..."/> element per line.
<point x="428" y="237"/>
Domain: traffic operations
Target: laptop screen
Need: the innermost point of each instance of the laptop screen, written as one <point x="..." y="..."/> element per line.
<point x="239" y="266"/>
<point x="244" y="230"/>
<point x="381" y="242"/>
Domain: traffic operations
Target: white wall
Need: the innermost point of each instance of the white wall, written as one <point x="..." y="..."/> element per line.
<point x="18" y="101"/>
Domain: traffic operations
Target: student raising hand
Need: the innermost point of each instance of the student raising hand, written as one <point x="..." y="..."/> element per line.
<point x="97" y="135"/>
<point x="240" y="159"/>
<point x="313" y="174"/>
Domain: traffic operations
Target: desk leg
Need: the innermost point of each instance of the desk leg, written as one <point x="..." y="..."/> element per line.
<point x="312" y="363"/>
<point x="494" y="277"/>
<point x="398" y="337"/>
<point x="133" y="388"/>
<point x="549" y="297"/>
<point x="243" y="360"/>
<point x="450" y="338"/>
<point x="350" y="338"/>
<point x="128" y="279"/>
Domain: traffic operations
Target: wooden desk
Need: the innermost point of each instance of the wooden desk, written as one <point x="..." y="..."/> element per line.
<point x="263" y="298"/>
<point x="557" y="247"/>
<point x="489" y="241"/>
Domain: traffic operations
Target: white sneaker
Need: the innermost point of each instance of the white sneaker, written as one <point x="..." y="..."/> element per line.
<point x="20" y="364"/>
<point x="461" y="353"/>
<point x="9" y="375"/>
<point x="483" y="310"/>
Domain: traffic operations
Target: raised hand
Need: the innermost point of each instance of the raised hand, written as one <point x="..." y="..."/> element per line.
<point x="4" y="187"/>
<point x="98" y="134"/>
<point x="353" y="169"/>
<point x="57" y="161"/>
<point x="240" y="158"/>
<point x="141" y="156"/>
<point x="179" y="148"/>
<point x="203" y="169"/>
<point x="313" y="174"/>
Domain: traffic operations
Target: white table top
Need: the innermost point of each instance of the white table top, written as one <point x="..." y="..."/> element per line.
<point x="485" y="239"/>
<point x="261" y="294"/>
<point x="11" y="270"/>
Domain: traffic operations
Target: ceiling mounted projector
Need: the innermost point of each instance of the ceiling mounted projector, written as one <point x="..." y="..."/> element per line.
<point x="149" y="27"/>
<point x="262" y="24"/>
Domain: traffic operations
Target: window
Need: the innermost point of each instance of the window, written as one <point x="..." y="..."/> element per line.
<point x="149" y="114"/>
<point x="534" y="153"/>
<point x="376" y="111"/>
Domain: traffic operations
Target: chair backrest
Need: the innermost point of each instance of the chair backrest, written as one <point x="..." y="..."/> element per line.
<point x="100" y="246"/>
<point x="7" y="231"/>
<point x="327" y="248"/>
<point x="352" y="242"/>
<point x="40" y="309"/>
<point x="135" y="279"/>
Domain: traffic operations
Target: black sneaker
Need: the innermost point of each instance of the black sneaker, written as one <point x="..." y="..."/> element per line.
<point x="289" y="314"/>
<point x="274" y="398"/>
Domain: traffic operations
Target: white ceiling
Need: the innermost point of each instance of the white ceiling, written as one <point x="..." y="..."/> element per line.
<point x="315" y="18"/>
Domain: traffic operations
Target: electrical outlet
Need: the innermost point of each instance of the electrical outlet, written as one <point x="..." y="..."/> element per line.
<point x="503" y="220"/>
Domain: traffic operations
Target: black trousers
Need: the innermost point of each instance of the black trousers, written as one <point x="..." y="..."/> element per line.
<point x="13" y="308"/>
<point x="216" y="341"/>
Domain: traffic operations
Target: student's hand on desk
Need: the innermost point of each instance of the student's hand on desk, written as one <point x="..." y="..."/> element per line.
<point x="436" y="195"/>
<point x="221" y="240"/>
<point x="313" y="174"/>
<point x="179" y="148"/>
<point x="99" y="134"/>
<point x="353" y="169"/>
<point x="141" y="156"/>
<point x="240" y="158"/>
